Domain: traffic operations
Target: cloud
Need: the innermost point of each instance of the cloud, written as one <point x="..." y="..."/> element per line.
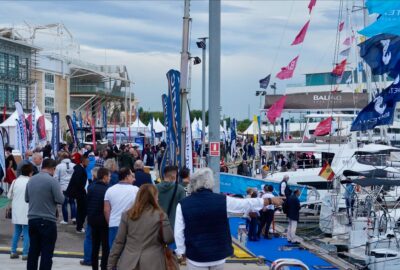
<point x="146" y="36"/>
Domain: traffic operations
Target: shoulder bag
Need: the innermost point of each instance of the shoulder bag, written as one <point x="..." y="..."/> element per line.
<point x="171" y="262"/>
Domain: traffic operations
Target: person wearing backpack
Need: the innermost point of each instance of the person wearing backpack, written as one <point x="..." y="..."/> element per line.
<point x="63" y="174"/>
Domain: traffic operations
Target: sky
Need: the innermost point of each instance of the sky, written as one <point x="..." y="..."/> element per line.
<point x="146" y="36"/>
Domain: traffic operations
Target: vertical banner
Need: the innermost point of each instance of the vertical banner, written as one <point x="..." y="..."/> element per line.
<point x="104" y="117"/>
<point x="188" y="140"/>
<point x="255" y="128"/>
<point x="55" y="133"/>
<point x="166" y="160"/>
<point x="152" y="131"/>
<point x="81" y="126"/>
<point x="115" y="131"/>
<point x="22" y="126"/>
<point x="94" y="134"/>
<point x="233" y="138"/>
<point x="2" y="155"/>
<point x="282" y="130"/>
<point x="18" y="136"/>
<point x="173" y="77"/>
<point x="71" y="130"/>
<point x="74" y="126"/>
<point x="287" y="132"/>
<point x="33" y="123"/>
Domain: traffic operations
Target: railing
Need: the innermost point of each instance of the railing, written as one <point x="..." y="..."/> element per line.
<point x="282" y="264"/>
<point x="94" y="89"/>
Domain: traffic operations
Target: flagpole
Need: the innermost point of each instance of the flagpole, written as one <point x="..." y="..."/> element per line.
<point x="203" y="98"/>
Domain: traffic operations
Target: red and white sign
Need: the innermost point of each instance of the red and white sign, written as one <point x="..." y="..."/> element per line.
<point x="214" y="149"/>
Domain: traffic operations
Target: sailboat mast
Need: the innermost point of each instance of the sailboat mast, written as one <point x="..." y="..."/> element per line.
<point x="183" y="80"/>
<point x="367" y="69"/>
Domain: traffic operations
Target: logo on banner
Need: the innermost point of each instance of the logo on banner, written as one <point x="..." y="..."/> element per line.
<point x="386" y="55"/>
<point x="379" y="106"/>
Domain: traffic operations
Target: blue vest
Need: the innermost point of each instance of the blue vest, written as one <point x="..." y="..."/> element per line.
<point x="207" y="232"/>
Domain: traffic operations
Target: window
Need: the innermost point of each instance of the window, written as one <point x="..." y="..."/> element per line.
<point x="12" y="95"/>
<point x="3" y="94"/>
<point x="48" y="105"/>
<point x="22" y="95"/>
<point x="13" y="66"/>
<point x="49" y="81"/>
<point x="23" y="69"/>
<point x="3" y="64"/>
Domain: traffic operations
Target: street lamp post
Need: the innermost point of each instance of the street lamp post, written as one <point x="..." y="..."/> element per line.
<point x="202" y="44"/>
<point x="260" y="94"/>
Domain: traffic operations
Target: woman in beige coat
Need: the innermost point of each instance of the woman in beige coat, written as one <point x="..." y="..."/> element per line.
<point x="138" y="245"/>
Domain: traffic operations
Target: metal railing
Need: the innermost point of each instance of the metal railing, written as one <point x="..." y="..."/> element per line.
<point x="282" y="264"/>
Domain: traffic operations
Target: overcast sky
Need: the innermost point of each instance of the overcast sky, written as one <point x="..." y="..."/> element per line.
<point x="146" y="36"/>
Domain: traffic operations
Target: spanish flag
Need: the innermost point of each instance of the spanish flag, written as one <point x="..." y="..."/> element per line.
<point x="327" y="172"/>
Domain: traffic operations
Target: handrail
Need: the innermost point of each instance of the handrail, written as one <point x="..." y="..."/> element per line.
<point x="281" y="263"/>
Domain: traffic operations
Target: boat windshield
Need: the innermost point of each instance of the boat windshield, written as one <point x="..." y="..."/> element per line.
<point x="373" y="159"/>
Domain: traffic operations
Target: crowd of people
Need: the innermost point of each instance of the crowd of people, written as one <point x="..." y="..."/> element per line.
<point x="108" y="196"/>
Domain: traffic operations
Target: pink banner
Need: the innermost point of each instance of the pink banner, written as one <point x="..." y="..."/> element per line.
<point x="276" y="109"/>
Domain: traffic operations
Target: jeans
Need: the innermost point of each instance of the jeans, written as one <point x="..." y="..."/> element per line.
<point x="71" y="202"/>
<point x="18" y="229"/>
<point x="100" y="236"/>
<point x="80" y="212"/>
<point x="87" y="245"/>
<point x="266" y="219"/>
<point x="43" y="236"/>
<point x="253" y="229"/>
<point x="112" y="233"/>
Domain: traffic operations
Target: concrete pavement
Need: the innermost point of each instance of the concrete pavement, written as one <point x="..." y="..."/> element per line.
<point x="70" y="263"/>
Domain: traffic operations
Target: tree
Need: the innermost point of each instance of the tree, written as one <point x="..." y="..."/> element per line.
<point x="243" y="125"/>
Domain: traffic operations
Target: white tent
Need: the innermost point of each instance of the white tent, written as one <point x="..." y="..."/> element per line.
<point x="10" y="124"/>
<point x="138" y="126"/>
<point x="158" y="126"/>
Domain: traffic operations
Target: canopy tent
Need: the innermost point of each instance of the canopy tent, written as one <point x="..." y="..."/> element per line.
<point x="158" y="126"/>
<point x="196" y="128"/>
<point x="138" y="126"/>
<point x="10" y="124"/>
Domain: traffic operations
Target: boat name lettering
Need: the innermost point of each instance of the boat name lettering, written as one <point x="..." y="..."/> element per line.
<point x="326" y="98"/>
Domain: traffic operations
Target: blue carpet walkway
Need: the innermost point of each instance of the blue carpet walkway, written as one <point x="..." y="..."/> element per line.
<point x="278" y="248"/>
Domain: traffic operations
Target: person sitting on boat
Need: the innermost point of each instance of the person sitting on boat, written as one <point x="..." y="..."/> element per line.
<point x="284" y="189"/>
<point x="349" y="196"/>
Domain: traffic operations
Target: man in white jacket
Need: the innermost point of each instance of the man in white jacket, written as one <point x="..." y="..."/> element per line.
<point x="63" y="174"/>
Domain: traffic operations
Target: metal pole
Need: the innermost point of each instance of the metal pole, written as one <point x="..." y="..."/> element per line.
<point x="203" y="99"/>
<point x="259" y="135"/>
<point x="183" y="79"/>
<point x="214" y="84"/>
<point x="189" y="85"/>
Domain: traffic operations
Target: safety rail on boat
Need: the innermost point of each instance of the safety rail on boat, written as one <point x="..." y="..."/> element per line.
<point x="281" y="264"/>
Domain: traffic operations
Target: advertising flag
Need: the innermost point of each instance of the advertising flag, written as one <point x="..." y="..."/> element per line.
<point x="2" y="155"/>
<point x="41" y="128"/>
<point x="311" y="5"/>
<point x="324" y="127"/>
<point x="327" y="172"/>
<point x="339" y="68"/>
<point x="287" y="72"/>
<point x="382" y="54"/>
<point x="188" y="140"/>
<point x="55" y="133"/>
<point x="115" y="131"/>
<point x="387" y="23"/>
<point x="81" y="126"/>
<point x="33" y="119"/>
<point x="276" y="109"/>
<point x="173" y="77"/>
<point x="71" y="129"/>
<point x="379" y="111"/>
<point x="301" y="35"/>
<point x="104" y="117"/>
<point x="233" y="138"/>
<point x="74" y="126"/>
<point x="152" y="131"/>
<point x="265" y="82"/>
<point x="382" y="6"/>
<point x="22" y="126"/>
<point x="94" y="134"/>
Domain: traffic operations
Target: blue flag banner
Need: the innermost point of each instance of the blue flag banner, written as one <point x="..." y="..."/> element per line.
<point x="22" y="127"/>
<point x="382" y="6"/>
<point x="380" y="111"/>
<point x="152" y="131"/>
<point x="81" y="126"/>
<point x="74" y="125"/>
<point x="382" y="54"/>
<point x="55" y="133"/>
<point x="265" y="82"/>
<point x="2" y="155"/>
<point x="173" y="77"/>
<point x="71" y="129"/>
<point x="387" y="23"/>
<point x="104" y="117"/>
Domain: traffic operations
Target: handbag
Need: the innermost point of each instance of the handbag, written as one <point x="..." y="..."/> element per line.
<point x="171" y="262"/>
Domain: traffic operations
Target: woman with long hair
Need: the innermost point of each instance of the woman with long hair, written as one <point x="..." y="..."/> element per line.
<point x="142" y="234"/>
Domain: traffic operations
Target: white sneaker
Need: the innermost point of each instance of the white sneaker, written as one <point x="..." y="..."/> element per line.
<point x="81" y="231"/>
<point x="62" y="222"/>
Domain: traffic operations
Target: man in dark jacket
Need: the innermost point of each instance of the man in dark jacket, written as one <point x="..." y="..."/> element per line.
<point x="141" y="176"/>
<point x="293" y="213"/>
<point x="96" y="219"/>
<point x="76" y="190"/>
